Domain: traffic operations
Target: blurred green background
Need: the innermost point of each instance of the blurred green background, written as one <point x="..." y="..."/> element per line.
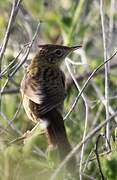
<point x="68" y="22"/>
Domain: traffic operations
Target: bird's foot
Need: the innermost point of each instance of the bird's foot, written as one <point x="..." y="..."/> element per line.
<point x="36" y="130"/>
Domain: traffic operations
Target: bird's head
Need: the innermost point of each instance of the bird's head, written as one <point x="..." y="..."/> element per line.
<point x="50" y="54"/>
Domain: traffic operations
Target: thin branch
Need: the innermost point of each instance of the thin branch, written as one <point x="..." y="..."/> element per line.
<point x="10" y="122"/>
<point x="86" y="75"/>
<point x="93" y="158"/>
<point x="111" y="23"/>
<point x="9" y="67"/>
<point x="78" y="146"/>
<point x="11" y="91"/>
<point x="106" y="68"/>
<point x="3" y="87"/>
<point x="88" y="160"/>
<point x="97" y="156"/>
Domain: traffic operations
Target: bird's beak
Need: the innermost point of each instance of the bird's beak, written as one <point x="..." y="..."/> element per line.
<point x="75" y="48"/>
<point x="71" y="49"/>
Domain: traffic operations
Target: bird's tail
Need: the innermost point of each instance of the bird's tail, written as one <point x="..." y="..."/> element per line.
<point x="57" y="136"/>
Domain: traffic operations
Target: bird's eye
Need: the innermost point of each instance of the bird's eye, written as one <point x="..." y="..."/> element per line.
<point x="50" y="59"/>
<point x="58" y="52"/>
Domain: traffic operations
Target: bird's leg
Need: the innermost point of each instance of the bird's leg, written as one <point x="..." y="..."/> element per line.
<point x="29" y="134"/>
<point x="37" y="128"/>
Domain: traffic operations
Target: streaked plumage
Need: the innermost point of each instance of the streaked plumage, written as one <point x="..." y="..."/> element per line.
<point x="43" y="93"/>
<point x="46" y="89"/>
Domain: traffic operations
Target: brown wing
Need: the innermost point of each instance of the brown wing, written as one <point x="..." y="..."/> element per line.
<point x="30" y="88"/>
<point x="48" y="93"/>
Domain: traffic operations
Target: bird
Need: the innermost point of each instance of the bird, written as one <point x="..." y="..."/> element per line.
<point x="43" y="92"/>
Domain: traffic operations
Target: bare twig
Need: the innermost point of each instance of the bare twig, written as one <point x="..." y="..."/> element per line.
<point x="78" y="146"/>
<point x="94" y="158"/>
<point x="106" y="68"/>
<point x="3" y="87"/>
<point x="86" y="75"/>
<point x="10" y="122"/>
<point x="9" y="67"/>
<point x="11" y="91"/>
<point x="97" y="156"/>
<point x="88" y="160"/>
<point x="111" y="23"/>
